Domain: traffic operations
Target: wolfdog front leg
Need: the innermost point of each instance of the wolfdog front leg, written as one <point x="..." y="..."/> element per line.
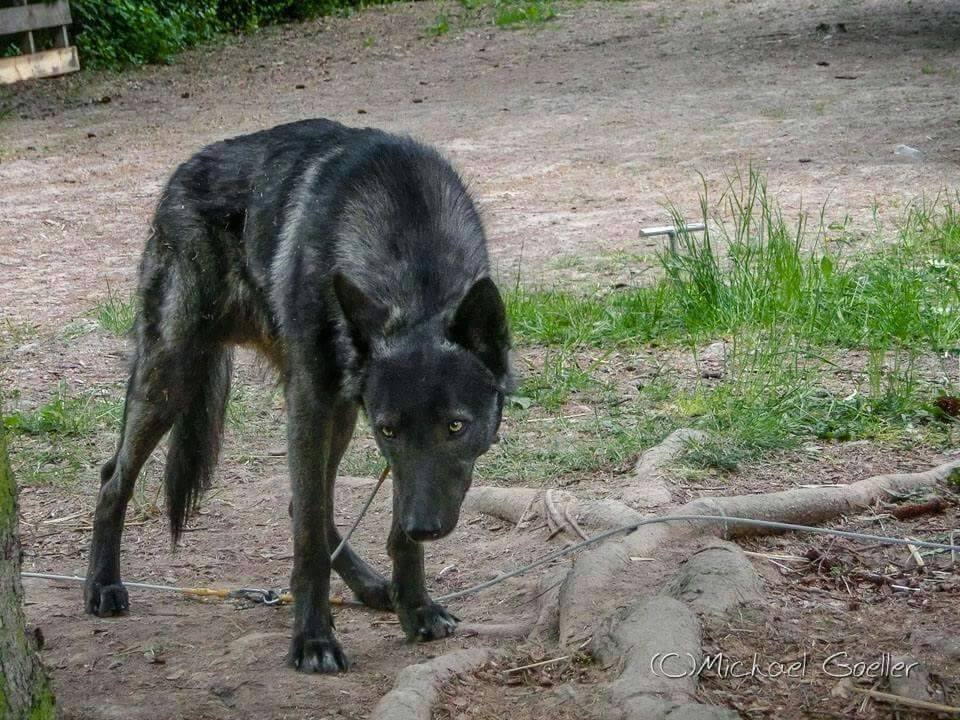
<point x="309" y="429"/>
<point x="420" y="617"/>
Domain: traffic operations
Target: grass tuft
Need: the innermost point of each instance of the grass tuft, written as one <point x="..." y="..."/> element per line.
<point x="116" y="313"/>
<point x="61" y="438"/>
<point x="522" y="13"/>
<point x="774" y="276"/>
<point x="65" y="415"/>
<point x="502" y="13"/>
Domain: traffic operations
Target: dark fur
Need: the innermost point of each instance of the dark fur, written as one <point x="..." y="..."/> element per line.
<point x="356" y="262"/>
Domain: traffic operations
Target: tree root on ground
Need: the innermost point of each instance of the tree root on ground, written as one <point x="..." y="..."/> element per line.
<point x="418" y="686"/>
<point x="643" y="594"/>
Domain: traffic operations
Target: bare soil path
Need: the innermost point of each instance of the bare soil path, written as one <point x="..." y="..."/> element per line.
<point x="573" y="135"/>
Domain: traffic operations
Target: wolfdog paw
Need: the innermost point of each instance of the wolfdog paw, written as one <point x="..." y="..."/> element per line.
<point x="427" y="622"/>
<point x="105" y="600"/>
<point x="318" y="655"/>
<point x="376" y="596"/>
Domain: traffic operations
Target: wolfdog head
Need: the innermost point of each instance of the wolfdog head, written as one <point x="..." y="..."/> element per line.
<point x="433" y="394"/>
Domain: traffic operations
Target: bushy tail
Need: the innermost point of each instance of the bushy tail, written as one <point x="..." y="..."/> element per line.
<point x="195" y="437"/>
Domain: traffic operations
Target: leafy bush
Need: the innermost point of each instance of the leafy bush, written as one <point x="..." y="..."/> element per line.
<point x="248" y="15"/>
<point x="116" y="33"/>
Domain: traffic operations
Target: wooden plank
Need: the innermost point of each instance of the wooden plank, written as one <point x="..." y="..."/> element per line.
<point x="48" y="63"/>
<point x="34" y="17"/>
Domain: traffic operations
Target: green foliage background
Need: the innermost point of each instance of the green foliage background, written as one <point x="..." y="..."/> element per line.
<point x="117" y="33"/>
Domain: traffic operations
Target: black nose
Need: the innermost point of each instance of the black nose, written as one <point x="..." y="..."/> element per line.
<point x="425" y="531"/>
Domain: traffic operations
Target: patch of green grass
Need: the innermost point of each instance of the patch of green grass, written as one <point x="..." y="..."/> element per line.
<point x="363" y="458"/>
<point x="522" y="13"/>
<point x="362" y="461"/>
<point x="502" y="13"/>
<point x="664" y="20"/>
<point x="66" y="415"/>
<point x="559" y="378"/>
<point x="558" y="448"/>
<point x="39" y="461"/>
<point x="793" y="302"/>
<point x="441" y="26"/>
<point x="116" y="313"/>
<point x="253" y="407"/>
<point x="754" y="270"/>
<point x="239" y="407"/>
<point x="59" y="439"/>
<point x="774" y="396"/>
<point x="604" y="319"/>
<point x="14" y="334"/>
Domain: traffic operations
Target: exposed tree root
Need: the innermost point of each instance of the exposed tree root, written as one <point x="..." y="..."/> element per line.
<point x="649" y="489"/>
<point x="417" y="687"/>
<point x="658" y="643"/>
<point x="509" y="504"/>
<point x="494" y="630"/>
<point x="600" y="566"/>
<point x="634" y="608"/>
<point x="716" y="578"/>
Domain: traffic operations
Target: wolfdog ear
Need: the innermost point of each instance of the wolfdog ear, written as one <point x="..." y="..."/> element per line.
<point x="480" y="326"/>
<point x="365" y="317"/>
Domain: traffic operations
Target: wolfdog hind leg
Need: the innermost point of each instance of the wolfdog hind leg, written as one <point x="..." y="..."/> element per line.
<point x="168" y="346"/>
<point x="149" y="411"/>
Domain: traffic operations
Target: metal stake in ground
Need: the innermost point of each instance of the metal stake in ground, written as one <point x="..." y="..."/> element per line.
<point x="671" y="231"/>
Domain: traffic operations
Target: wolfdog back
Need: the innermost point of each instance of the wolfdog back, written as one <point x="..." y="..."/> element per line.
<point x="356" y="261"/>
<point x="290" y="204"/>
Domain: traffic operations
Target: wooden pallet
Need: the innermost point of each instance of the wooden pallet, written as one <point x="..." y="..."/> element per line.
<point x="23" y="20"/>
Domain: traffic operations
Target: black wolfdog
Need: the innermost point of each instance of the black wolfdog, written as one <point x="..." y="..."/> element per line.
<point x="356" y="262"/>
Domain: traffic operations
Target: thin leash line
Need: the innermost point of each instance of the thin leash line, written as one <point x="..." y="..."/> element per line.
<point x="260" y="595"/>
<point x="727" y="519"/>
<point x="272" y="597"/>
<point x="141" y="585"/>
<point x="356" y="523"/>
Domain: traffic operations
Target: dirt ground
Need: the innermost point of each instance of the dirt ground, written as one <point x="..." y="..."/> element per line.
<point x="573" y="134"/>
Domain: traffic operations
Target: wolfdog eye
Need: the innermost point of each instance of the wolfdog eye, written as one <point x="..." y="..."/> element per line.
<point x="386" y="431"/>
<point x="455" y="426"/>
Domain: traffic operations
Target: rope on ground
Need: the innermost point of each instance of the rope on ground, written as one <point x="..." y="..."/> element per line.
<point x="280" y="597"/>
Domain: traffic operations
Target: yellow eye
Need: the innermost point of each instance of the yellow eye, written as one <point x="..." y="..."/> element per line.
<point x="456" y="426"/>
<point x="386" y="431"/>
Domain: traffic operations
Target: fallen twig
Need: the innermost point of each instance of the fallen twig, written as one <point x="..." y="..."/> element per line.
<point x="536" y="664"/>
<point x="523" y="515"/>
<point x="917" y="558"/>
<point x="908" y="702"/>
<point x="573" y="523"/>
